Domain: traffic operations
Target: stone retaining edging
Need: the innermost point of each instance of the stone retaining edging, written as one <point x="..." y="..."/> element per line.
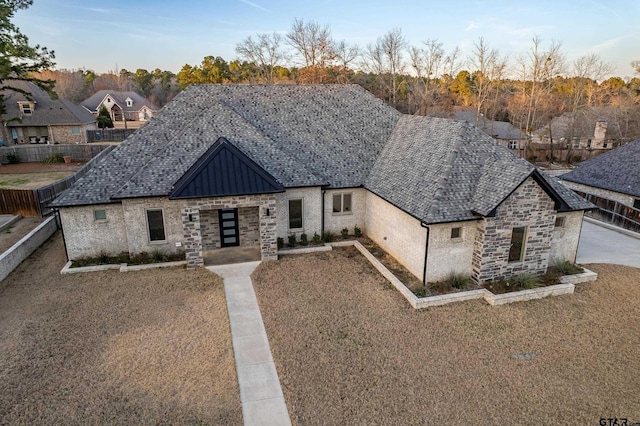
<point x="122" y="267"/>
<point x="10" y="259"/>
<point x="305" y="250"/>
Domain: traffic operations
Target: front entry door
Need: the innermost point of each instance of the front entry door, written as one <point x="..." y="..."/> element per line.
<point x="229" y="227"/>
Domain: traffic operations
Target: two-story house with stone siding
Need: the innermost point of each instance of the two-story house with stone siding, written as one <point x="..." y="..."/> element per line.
<point x="242" y="165"/>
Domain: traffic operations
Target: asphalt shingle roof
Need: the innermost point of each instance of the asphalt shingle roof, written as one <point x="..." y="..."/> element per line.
<point x="47" y="111"/>
<point x="616" y="170"/>
<point x="138" y="101"/>
<point x="497" y="129"/>
<point x="340" y="136"/>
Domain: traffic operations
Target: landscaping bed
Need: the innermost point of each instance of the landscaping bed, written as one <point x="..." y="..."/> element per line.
<point x="349" y="350"/>
<point x="144" y="258"/>
<point x="150" y="347"/>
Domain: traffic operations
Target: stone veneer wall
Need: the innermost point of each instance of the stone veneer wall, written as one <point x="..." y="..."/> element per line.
<point x="249" y="226"/>
<point x="64" y="134"/>
<point x="267" y="209"/>
<point x="210" y="229"/>
<point x="528" y="206"/>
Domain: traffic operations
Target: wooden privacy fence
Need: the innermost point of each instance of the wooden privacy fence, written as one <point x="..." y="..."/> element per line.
<point x="613" y="212"/>
<point x="23" y="202"/>
<point x="34" y="202"/>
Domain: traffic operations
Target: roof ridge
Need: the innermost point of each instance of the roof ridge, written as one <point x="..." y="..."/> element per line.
<point x="446" y="172"/>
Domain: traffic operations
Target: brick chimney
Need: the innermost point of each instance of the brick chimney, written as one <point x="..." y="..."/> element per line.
<point x="599" y="134"/>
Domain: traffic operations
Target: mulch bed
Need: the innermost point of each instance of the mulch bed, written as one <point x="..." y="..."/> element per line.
<point x="350" y="350"/>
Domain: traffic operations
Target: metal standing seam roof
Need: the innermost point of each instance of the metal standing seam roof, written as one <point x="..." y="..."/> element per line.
<point x="617" y="170"/>
<point x="337" y="136"/>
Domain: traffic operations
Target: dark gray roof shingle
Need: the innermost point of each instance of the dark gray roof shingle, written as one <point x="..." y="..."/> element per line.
<point x="617" y="170"/>
<point x="138" y="101"/>
<point x="340" y="136"/>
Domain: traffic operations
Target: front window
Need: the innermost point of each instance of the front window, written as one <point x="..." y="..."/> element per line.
<point x="75" y="130"/>
<point x="100" y="215"/>
<point x="342" y="203"/>
<point x="155" y="223"/>
<point x="518" y="238"/>
<point x="295" y="214"/>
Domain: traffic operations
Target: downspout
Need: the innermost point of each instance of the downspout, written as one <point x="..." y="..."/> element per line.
<point x="426" y="252"/>
<point x="575" y="256"/>
<point x="64" y="240"/>
<point x="322" y="215"/>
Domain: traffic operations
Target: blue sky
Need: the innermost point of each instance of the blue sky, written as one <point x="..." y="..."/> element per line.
<point x="103" y="35"/>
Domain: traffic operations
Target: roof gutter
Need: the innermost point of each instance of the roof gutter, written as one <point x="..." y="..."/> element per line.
<point x="426" y="252"/>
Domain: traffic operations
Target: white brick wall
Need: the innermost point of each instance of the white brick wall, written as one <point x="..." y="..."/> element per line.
<point x="311" y="211"/>
<point x="136" y="223"/>
<point x="446" y="255"/>
<point x="335" y="222"/>
<point x="627" y="200"/>
<point x="564" y="245"/>
<point x="396" y="232"/>
<point x="86" y="237"/>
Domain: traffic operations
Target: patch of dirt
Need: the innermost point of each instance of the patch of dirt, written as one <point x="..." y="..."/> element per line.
<point x="350" y="350"/>
<point x="148" y="347"/>
<point x="12" y="234"/>
<point x="39" y="167"/>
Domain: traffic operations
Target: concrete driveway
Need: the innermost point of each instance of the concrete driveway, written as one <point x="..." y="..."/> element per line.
<point x="601" y="245"/>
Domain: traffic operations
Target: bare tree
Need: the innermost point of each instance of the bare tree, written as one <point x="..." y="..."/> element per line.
<point x="487" y="69"/>
<point x="265" y="52"/>
<point x="314" y="46"/>
<point x="345" y="55"/>
<point x="386" y="58"/>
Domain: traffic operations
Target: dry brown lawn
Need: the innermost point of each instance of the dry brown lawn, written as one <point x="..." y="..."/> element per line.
<point x="14" y="233"/>
<point x="350" y="350"/>
<point x="151" y="347"/>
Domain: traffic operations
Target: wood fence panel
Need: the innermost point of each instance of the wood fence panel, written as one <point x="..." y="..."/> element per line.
<point x="22" y="202"/>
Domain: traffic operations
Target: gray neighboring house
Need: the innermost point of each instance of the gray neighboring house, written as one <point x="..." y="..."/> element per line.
<point x="243" y="165"/>
<point x="614" y="175"/>
<point x="121" y="105"/>
<point x="504" y="132"/>
<point x="42" y="120"/>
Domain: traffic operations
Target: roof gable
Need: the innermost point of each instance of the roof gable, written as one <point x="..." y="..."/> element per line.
<point x="224" y="170"/>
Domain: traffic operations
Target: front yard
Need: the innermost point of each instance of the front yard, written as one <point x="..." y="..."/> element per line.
<point x="350" y="350"/>
<point x="150" y="347"/>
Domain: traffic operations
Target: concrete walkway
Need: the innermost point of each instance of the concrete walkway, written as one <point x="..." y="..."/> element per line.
<point x="260" y="391"/>
<point x="602" y="244"/>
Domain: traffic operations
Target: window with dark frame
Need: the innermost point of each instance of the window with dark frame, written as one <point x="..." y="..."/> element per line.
<point x="155" y="223"/>
<point x="518" y="237"/>
<point x="295" y="214"/>
<point x="26" y="108"/>
<point x="636" y="203"/>
<point x="342" y="203"/>
<point x="559" y="222"/>
<point x="99" y="215"/>
<point x="456" y="233"/>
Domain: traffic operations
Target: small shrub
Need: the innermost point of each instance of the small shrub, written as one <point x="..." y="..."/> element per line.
<point x="420" y="291"/>
<point x="327" y="236"/>
<point x="140" y="258"/>
<point x="103" y="258"/>
<point x="280" y="243"/>
<point x="357" y="232"/>
<point x="157" y="256"/>
<point x="524" y="281"/>
<point x="303" y="239"/>
<point x="458" y="281"/>
<point x="8" y="229"/>
<point x="12" y="158"/>
<point x="292" y="240"/>
<point x="567" y="268"/>
<point x="345" y="233"/>
<point x="54" y="158"/>
<point x="316" y="238"/>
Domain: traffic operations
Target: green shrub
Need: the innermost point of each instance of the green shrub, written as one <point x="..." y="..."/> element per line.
<point x="157" y="256"/>
<point x="303" y="239"/>
<point x="327" y="236"/>
<point x="458" y="281"/>
<point x="316" y="238"/>
<point x="420" y="292"/>
<point x="524" y="281"/>
<point x="54" y="158"/>
<point x="357" y="232"/>
<point x="12" y="158"/>
<point x="280" y="243"/>
<point x="345" y="233"/>
<point x="567" y="268"/>
<point x="292" y="240"/>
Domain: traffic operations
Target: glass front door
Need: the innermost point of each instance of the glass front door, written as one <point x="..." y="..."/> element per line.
<point x="229" y="227"/>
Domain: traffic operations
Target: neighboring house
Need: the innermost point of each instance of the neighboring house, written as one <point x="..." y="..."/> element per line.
<point x="592" y="128"/>
<point x="229" y="165"/>
<point x="121" y="105"/>
<point x="504" y="132"/>
<point x="42" y="119"/>
<point x="612" y="176"/>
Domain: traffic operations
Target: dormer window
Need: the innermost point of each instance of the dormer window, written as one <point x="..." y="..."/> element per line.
<point x="26" y="107"/>
<point x="129" y="102"/>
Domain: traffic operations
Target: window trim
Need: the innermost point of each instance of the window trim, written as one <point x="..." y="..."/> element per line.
<point x="560" y="222"/>
<point x="342" y="211"/>
<point x="523" y="247"/>
<point x="289" y="213"/>
<point x="97" y="219"/>
<point x="164" y="226"/>
<point x="459" y="229"/>
<point x="28" y="106"/>
<point x="513" y="144"/>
